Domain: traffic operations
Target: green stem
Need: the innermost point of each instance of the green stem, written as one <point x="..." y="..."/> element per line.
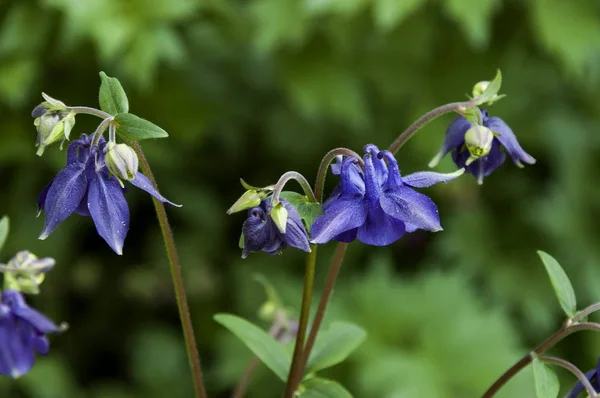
<point x="178" y="285"/>
<point x="428" y="117"/>
<point x="573" y="369"/>
<point x="90" y="111"/>
<point x="100" y="130"/>
<point x="540" y="349"/>
<point x="324" y="166"/>
<point x="585" y="312"/>
<point x="296" y="369"/>
<point x="285" y="178"/>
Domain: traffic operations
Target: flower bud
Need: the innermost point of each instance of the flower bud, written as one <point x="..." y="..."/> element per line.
<point x="248" y="200"/>
<point x="480" y="87"/>
<point x="122" y="161"/>
<point x="52" y="126"/>
<point x="478" y="140"/>
<point x="279" y="214"/>
<point x="25" y="272"/>
<point x="266" y="311"/>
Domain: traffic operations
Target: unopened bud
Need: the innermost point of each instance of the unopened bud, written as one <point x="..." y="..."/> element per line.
<point x="248" y="200"/>
<point x="480" y="87"/>
<point x="25" y="272"/>
<point x="279" y="214"/>
<point x="52" y="126"/>
<point x="266" y="311"/>
<point x="122" y="161"/>
<point x="478" y="140"/>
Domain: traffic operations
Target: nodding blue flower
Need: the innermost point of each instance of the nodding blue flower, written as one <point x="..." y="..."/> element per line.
<point x="483" y="163"/>
<point x="592" y="376"/>
<point x="261" y="233"/>
<point x="22" y="333"/>
<point x="86" y="187"/>
<point x="377" y="205"/>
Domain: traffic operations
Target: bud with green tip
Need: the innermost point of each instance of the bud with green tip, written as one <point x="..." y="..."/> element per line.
<point x="122" y="161"/>
<point x="248" y="200"/>
<point x="52" y="126"/>
<point x="478" y="140"/>
<point x="25" y="272"/>
<point x="279" y="214"/>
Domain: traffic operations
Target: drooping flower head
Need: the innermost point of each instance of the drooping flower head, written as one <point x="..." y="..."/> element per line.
<point x="260" y="232"/>
<point x="468" y="144"/>
<point x="22" y="333"/>
<point x="85" y="186"/>
<point x="592" y="376"/>
<point x="376" y="205"/>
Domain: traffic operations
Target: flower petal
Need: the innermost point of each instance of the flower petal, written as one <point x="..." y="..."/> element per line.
<point x="508" y="139"/>
<point x="424" y="179"/>
<point x="381" y="170"/>
<point x="380" y="229"/>
<point x="578" y="387"/>
<point x="256" y="231"/>
<point x="63" y="196"/>
<point x="411" y="207"/>
<point x="15" y="301"/>
<point x="109" y="210"/>
<point x="352" y="180"/>
<point x="142" y="182"/>
<point x="347" y="236"/>
<point x="295" y="234"/>
<point x="344" y="214"/>
<point x="16" y="357"/>
<point x="454" y="138"/>
<point x="484" y="166"/>
<point x="41" y="199"/>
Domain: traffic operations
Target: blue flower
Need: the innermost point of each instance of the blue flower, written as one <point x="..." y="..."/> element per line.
<point x="592" y="376"/>
<point x="22" y="333"/>
<point x="261" y="234"/>
<point x="85" y="186"/>
<point x="377" y="205"/>
<point x="494" y="158"/>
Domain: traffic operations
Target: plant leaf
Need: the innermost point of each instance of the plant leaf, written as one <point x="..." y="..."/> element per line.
<point x="561" y="284"/>
<point x="133" y="128"/>
<point x="307" y="210"/>
<point x="322" y="388"/>
<point x="546" y="382"/>
<point x="492" y="89"/>
<point x="264" y="346"/>
<point x="334" y="345"/>
<point x="4" y="229"/>
<point x="112" y="96"/>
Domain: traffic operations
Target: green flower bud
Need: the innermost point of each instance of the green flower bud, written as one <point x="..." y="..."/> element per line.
<point x="122" y="161"/>
<point x="53" y="126"/>
<point x="480" y="87"/>
<point x="267" y="311"/>
<point x="25" y="272"/>
<point x="478" y="140"/>
<point x="279" y="214"/>
<point x="248" y="200"/>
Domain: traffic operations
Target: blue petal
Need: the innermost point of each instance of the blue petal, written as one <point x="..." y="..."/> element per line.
<point x="454" y="138"/>
<point x="372" y="186"/>
<point x="347" y="236"/>
<point x="63" y="196"/>
<point x="336" y="168"/>
<point x="142" y="182"/>
<point x="337" y="192"/>
<point x="379" y="228"/>
<point x="344" y="214"/>
<point x="109" y="210"/>
<point x="508" y="139"/>
<point x="411" y="207"/>
<point x="295" y="234"/>
<point x="484" y="166"/>
<point x="16" y="357"/>
<point x="41" y="199"/>
<point x="578" y="387"/>
<point x="15" y="301"/>
<point x="381" y="170"/>
<point x="256" y="231"/>
<point x="424" y="179"/>
<point x="83" y="209"/>
<point x="352" y="180"/>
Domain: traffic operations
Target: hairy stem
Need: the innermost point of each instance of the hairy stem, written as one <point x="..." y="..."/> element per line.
<point x="90" y="111"/>
<point x="573" y="369"/>
<point x="426" y="118"/>
<point x="285" y="178"/>
<point x="297" y="367"/>
<point x="540" y="349"/>
<point x="100" y="130"/>
<point x="585" y="312"/>
<point x="324" y="166"/>
<point x="178" y="285"/>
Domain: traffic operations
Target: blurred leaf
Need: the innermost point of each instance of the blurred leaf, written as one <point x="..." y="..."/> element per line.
<point x="546" y="382"/>
<point x="474" y="17"/>
<point x="322" y="388"/>
<point x="334" y="345"/>
<point x="112" y="96"/>
<point x="133" y="128"/>
<point x="4" y="230"/>
<point x="389" y="13"/>
<point x="492" y="89"/>
<point x="561" y="284"/>
<point x="278" y="22"/>
<point x="263" y="345"/>
<point x="307" y="210"/>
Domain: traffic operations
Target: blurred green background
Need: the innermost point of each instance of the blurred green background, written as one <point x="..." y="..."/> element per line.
<point x="255" y="88"/>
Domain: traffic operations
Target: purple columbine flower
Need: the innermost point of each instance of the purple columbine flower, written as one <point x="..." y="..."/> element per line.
<point x="84" y="186"/>
<point x="592" y="376"/>
<point x="483" y="166"/>
<point x="261" y="233"/>
<point x="22" y="333"/>
<point x="377" y="205"/>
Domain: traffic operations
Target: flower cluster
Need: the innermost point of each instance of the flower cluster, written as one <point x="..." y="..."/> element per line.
<point x="87" y="187"/>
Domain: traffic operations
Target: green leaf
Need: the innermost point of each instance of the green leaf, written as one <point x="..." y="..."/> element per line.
<point x="307" y="210"/>
<point x="492" y="89"/>
<point x="322" y="388"/>
<point x="546" y="382"/>
<point x="4" y="229"/>
<point x="561" y="284"/>
<point x="112" y="96"/>
<point x="133" y="128"/>
<point x="474" y="17"/>
<point x="334" y="345"/>
<point x="389" y="13"/>
<point x="264" y="346"/>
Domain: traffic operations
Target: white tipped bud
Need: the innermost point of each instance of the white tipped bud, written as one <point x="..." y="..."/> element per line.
<point x="480" y="87"/>
<point x="248" y="200"/>
<point x="478" y="140"/>
<point x="279" y="214"/>
<point x="122" y="161"/>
